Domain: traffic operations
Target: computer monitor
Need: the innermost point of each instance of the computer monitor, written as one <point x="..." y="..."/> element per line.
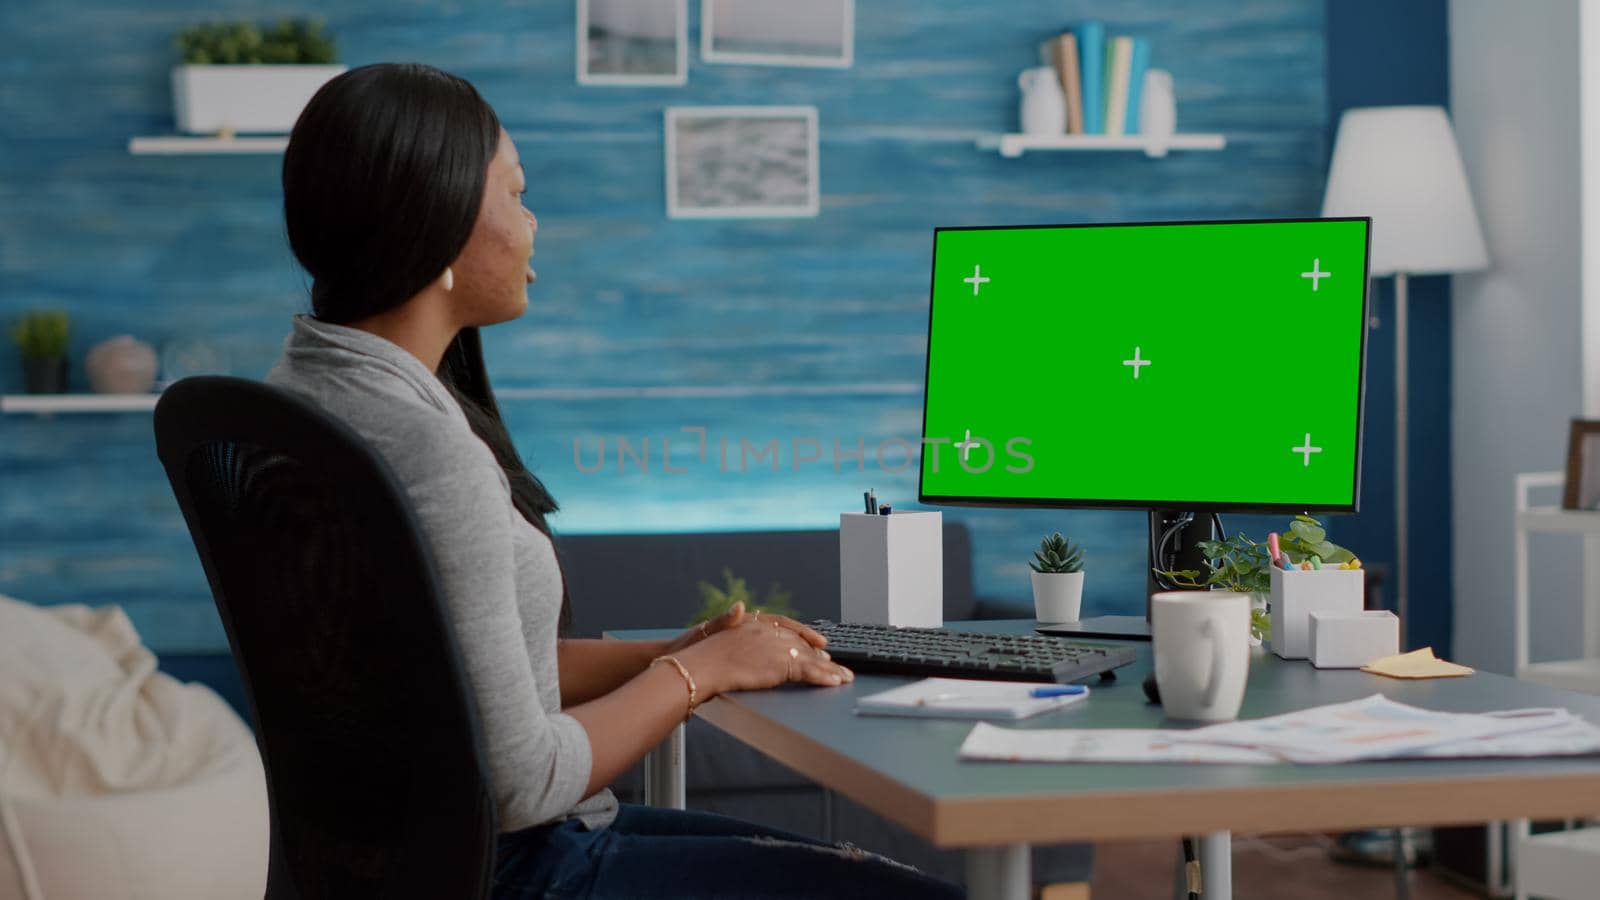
<point x="1182" y="367"/>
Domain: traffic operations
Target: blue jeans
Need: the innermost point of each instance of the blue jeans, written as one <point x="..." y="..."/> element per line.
<point x="651" y="853"/>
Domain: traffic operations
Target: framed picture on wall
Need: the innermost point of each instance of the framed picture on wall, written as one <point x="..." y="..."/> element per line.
<point x="778" y="32"/>
<point x="742" y="162"/>
<point x="1583" y="466"/>
<point x="633" y="42"/>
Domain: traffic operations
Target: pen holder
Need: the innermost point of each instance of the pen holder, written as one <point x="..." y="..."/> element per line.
<point x="1297" y="593"/>
<point x="891" y="569"/>
<point x="1351" y="640"/>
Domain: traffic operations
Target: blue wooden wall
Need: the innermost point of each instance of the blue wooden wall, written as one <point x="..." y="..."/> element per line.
<point x="755" y="330"/>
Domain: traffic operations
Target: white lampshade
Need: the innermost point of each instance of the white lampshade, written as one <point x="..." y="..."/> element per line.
<point x="1400" y="165"/>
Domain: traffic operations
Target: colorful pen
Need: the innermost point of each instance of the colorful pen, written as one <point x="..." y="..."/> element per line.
<point x="1272" y="546"/>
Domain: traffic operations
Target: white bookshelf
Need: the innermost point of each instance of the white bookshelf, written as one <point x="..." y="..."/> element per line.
<point x="1581" y="674"/>
<point x="76" y="403"/>
<point x="1014" y="145"/>
<point x="178" y="145"/>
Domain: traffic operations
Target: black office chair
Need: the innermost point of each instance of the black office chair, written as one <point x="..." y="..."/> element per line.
<point x="376" y="776"/>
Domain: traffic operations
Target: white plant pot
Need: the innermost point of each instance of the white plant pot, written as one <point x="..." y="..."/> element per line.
<point x="1057" y="596"/>
<point x="244" y="98"/>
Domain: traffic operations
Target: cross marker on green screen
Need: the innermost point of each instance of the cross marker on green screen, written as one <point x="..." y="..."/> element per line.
<point x="1316" y="274"/>
<point x="1136" y="362"/>
<point x="1307" y="449"/>
<point x="966" y="445"/>
<point x="976" y="279"/>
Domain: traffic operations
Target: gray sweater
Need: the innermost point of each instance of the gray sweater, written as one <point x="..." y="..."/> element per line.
<point x="499" y="575"/>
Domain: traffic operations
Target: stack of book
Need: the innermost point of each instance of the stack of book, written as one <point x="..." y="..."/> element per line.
<point x="1102" y="77"/>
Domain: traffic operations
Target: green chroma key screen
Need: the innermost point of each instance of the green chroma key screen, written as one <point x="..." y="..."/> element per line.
<point x="1181" y="365"/>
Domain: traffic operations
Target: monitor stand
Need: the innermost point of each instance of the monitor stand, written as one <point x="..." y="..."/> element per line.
<point x="1181" y="551"/>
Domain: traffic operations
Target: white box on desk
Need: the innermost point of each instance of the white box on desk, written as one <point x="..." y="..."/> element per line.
<point x="891" y="569"/>
<point x="1297" y="593"/>
<point x="1351" y="640"/>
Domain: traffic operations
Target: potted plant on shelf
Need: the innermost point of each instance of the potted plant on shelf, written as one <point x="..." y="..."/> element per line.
<point x="1240" y="564"/>
<point x="41" y="336"/>
<point x="237" y="77"/>
<point x="1057" y="580"/>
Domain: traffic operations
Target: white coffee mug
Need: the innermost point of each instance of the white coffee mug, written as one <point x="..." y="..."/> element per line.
<point x="1202" y="652"/>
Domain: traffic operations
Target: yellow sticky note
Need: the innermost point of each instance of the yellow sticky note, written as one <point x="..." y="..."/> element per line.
<point x="1416" y="664"/>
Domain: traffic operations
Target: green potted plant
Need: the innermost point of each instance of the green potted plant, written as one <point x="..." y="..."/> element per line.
<point x="41" y="337"/>
<point x="1057" y="580"/>
<point x="1242" y="565"/>
<point x="717" y="600"/>
<point x="239" y="77"/>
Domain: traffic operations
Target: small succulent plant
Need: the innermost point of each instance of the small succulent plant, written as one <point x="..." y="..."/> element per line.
<point x="1057" y="554"/>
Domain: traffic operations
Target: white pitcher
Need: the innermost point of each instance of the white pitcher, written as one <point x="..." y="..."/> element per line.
<point x="1044" y="104"/>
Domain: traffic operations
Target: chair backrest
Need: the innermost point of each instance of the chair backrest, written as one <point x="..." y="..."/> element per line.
<point x="375" y="767"/>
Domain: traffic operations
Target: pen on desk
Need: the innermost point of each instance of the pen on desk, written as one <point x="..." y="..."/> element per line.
<point x="872" y="502"/>
<point x="866" y="501"/>
<point x="1060" y="690"/>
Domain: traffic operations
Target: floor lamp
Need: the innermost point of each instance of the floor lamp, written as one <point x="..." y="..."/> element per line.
<point x="1400" y="165"/>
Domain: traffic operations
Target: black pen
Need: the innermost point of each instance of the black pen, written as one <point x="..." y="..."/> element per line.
<point x="866" y="499"/>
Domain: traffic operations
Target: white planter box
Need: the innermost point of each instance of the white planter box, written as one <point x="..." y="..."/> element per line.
<point x="1351" y="640"/>
<point x="244" y="98"/>
<point x="1296" y="594"/>
<point x="891" y="569"/>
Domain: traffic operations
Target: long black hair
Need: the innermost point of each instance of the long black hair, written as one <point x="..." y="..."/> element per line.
<point x="382" y="182"/>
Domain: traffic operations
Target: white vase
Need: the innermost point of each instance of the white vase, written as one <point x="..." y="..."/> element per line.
<point x="244" y="98"/>
<point x="1057" y="596"/>
<point x="1044" y="105"/>
<point x="122" y="365"/>
<point x="1158" y="108"/>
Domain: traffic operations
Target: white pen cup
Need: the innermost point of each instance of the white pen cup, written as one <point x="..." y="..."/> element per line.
<point x="1202" y="652"/>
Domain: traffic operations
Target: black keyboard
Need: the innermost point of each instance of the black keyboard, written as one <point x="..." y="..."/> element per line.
<point x="969" y="654"/>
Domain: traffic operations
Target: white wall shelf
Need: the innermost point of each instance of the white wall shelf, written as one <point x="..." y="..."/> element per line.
<point x="179" y="145"/>
<point x="77" y="403"/>
<point x="1014" y="145"/>
<point x="1582" y="674"/>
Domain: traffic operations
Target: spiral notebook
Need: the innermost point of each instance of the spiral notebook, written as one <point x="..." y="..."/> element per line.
<point x="955" y="698"/>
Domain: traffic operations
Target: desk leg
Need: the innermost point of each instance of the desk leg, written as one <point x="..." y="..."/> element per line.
<point x="664" y="783"/>
<point x="1216" y="865"/>
<point x="1519" y="831"/>
<point x="1000" y="873"/>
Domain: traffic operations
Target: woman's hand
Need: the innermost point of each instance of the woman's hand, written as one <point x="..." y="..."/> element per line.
<point x="762" y="651"/>
<point x="729" y="619"/>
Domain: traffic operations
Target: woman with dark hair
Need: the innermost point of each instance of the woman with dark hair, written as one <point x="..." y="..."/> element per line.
<point x="402" y="200"/>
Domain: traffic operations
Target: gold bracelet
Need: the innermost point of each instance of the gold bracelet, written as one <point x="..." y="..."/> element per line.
<point x="694" y="698"/>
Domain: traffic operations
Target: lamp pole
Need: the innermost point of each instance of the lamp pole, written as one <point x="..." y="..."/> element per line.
<point x="1401" y="595"/>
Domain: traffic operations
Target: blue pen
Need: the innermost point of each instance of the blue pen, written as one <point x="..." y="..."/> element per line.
<point x="1060" y="690"/>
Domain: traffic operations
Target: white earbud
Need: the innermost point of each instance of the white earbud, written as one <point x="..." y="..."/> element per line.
<point x="449" y="279"/>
